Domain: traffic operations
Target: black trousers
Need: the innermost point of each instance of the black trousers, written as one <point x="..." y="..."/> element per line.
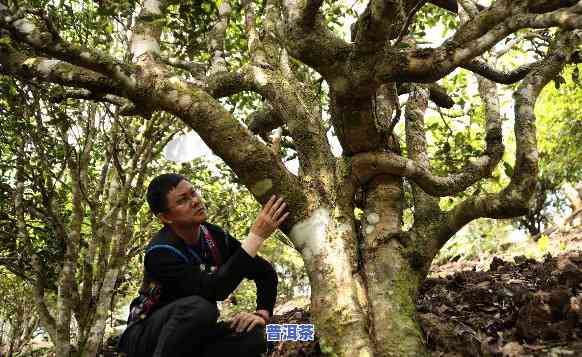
<point x="188" y="328"/>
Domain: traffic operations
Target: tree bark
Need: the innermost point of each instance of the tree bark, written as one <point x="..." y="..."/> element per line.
<point x="364" y="274"/>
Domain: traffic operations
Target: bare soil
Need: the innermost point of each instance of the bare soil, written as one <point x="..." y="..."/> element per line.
<point x="522" y="307"/>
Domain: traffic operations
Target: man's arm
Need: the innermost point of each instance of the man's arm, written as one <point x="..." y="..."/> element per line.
<point x="265" y="278"/>
<point x="183" y="279"/>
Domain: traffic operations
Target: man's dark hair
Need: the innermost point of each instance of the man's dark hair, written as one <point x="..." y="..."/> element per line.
<point x="159" y="188"/>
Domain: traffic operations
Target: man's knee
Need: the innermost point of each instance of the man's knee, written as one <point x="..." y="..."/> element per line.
<point x="198" y="308"/>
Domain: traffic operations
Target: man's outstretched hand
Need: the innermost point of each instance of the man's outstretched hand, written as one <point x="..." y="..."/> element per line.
<point x="270" y="217"/>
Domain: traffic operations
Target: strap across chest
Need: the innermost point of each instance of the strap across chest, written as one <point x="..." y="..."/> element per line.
<point x="207" y="243"/>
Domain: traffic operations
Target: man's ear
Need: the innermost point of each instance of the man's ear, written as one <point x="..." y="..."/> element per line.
<point x="164" y="218"/>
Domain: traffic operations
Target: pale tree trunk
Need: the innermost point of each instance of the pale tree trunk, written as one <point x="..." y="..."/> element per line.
<point x="329" y="260"/>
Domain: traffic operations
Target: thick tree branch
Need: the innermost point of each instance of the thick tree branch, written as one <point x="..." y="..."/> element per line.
<point x="469" y="7"/>
<point x="263" y="49"/>
<point x="367" y="165"/>
<point x="44" y="41"/>
<point x="54" y="71"/>
<point x="382" y="21"/>
<point x="257" y="166"/>
<point x="256" y="50"/>
<point x="196" y="69"/>
<point x="472" y="39"/>
<point x="264" y="120"/>
<point x="535" y="6"/>
<point x="225" y="84"/>
<point x="310" y="11"/>
<point x="541" y="6"/>
<point x="146" y="32"/>
<point x="312" y="42"/>
<point x="300" y="113"/>
<point x="514" y="199"/>
<point x="450" y="5"/>
<point x="290" y="103"/>
<point x="303" y="12"/>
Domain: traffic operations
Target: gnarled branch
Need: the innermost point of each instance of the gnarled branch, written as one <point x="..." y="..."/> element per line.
<point x="44" y="41"/>
<point x="484" y="69"/>
<point x="146" y="32"/>
<point x="264" y="120"/>
<point x="514" y="199"/>
<point x="382" y="21"/>
<point x="257" y="166"/>
<point x="367" y="165"/>
<point x="28" y="68"/>
<point x="216" y="38"/>
<point x="450" y="5"/>
<point x="194" y="68"/>
<point x="426" y="207"/>
<point x="126" y="107"/>
<point x="471" y="40"/>
<point x="312" y="41"/>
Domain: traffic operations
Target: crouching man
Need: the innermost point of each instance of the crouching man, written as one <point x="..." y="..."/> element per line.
<point x="188" y="266"/>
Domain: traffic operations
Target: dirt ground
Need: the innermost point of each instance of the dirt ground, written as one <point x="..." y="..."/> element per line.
<point x="521" y="307"/>
<point x="506" y="307"/>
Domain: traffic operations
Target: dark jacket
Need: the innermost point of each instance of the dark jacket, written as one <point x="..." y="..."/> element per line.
<point x="180" y="277"/>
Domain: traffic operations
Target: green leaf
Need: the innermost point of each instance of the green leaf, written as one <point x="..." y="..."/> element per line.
<point x="109" y="27"/>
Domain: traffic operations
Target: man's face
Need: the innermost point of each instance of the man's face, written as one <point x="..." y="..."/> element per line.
<point x="185" y="206"/>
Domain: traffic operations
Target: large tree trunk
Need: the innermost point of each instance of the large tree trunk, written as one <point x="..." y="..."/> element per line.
<point x="362" y="300"/>
<point x="361" y="308"/>
<point x="330" y="259"/>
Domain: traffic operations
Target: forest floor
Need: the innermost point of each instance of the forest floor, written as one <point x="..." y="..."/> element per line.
<point x="506" y="306"/>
